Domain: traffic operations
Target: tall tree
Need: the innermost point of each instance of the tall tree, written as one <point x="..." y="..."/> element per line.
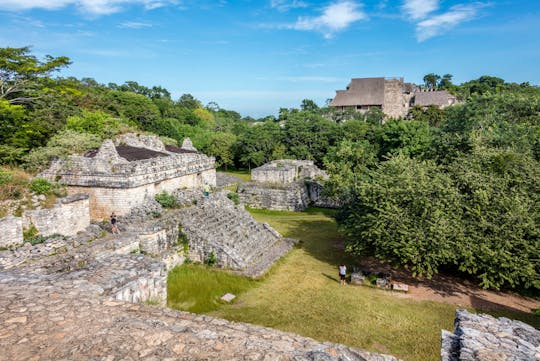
<point x="431" y="80"/>
<point x="20" y="73"/>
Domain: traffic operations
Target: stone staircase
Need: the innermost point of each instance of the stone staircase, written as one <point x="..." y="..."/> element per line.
<point x="217" y="226"/>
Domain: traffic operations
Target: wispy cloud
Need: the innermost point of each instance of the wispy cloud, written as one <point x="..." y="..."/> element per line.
<point x="334" y="18"/>
<point x="93" y="7"/>
<point x="419" y="9"/>
<point x="134" y="25"/>
<point x="286" y="5"/>
<point x="439" y="24"/>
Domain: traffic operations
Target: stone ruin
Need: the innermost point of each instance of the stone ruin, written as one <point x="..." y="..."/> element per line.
<point x="100" y="280"/>
<point x="486" y="338"/>
<point x="289" y="185"/>
<point x="123" y="174"/>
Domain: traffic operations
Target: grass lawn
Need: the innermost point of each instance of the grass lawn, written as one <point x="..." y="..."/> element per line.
<point x="302" y="294"/>
<point x="244" y="175"/>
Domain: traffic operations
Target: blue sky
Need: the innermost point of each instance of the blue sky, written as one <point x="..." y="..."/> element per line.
<point x="257" y="56"/>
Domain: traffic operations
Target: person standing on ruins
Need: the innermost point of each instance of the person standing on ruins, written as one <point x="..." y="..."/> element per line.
<point x="114" y="224"/>
<point x="342" y="274"/>
<point x="206" y="190"/>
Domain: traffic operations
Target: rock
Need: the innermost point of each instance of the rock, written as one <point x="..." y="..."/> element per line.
<point x="357" y="278"/>
<point x="396" y="286"/>
<point x="228" y="297"/>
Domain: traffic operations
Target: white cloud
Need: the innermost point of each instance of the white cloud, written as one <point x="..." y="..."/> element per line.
<point x="286" y="5"/>
<point x="335" y="17"/>
<point x="134" y="25"/>
<point x="439" y="24"/>
<point x="419" y="9"/>
<point x="94" y="7"/>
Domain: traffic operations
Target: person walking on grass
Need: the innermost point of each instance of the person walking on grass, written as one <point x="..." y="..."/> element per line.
<point x="342" y="274"/>
<point x="114" y="224"/>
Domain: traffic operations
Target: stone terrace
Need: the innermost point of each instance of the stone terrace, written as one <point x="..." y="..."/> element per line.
<point x="49" y="318"/>
<point x="238" y="241"/>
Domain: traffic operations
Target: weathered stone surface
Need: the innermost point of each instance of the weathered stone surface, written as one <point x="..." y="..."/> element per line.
<point x="91" y="327"/>
<point x="396" y="286"/>
<point x="68" y="216"/>
<point x="11" y="232"/>
<point x="116" y="184"/>
<point x="286" y="171"/>
<point x="215" y="225"/>
<point x="282" y="197"/>
<point x="483" y="337"/>
<point x="357" y="278"/>
<point x="228" y="297"/>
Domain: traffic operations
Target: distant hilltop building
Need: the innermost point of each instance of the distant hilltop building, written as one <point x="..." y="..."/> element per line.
<point x="392" y="95"/>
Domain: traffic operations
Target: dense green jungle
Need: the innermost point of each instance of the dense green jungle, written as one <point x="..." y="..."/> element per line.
<point x="452" y="190"/>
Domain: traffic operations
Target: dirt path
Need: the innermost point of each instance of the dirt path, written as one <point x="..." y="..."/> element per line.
<point x="452" y="290"/>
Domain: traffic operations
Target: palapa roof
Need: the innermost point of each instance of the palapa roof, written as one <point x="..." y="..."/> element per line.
<point x="439" y="98"/>
<point x="361" y="91"/>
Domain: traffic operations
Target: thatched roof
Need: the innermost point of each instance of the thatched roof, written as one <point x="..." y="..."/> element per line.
<point x="361" y="91"/>
<point x="440" y="98"/>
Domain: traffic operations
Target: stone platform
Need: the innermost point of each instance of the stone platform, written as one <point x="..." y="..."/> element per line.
<point x="44" y="317"/>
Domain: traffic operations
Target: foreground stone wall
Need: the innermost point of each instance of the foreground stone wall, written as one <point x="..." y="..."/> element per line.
<point x="68" y="216"/>
<point x="65" y="319"/>
<point x="11" y="232"/>
<point x="485" y="338"/>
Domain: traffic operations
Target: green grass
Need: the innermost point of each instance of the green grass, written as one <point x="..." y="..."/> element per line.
<point x="244" y="175"/>
<point x="301" y="294"/>
<point x="198" y="288"/>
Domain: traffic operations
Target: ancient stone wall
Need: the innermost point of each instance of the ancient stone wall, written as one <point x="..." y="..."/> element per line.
<point x="286" y="171"/>
<point x="288" y="197"/>
<point x="68" y="216"/>
<point x="315" y="191"/>
<point x="217" y="226"/>
<point x="482" y="337"/>
<point x="11" y="232"/>
<point x="395" y="104"/>
<point x="105" y="200"/>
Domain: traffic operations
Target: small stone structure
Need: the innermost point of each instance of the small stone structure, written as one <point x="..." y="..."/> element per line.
<point x="11" y="232"/>
<point x="288" y="185"/>
<point x="392" y="95"/>
<point x="219" y="227"/>
<point x="67" y="217"/>
<point x="123" y="174"/>
<point x="485" y="338"/>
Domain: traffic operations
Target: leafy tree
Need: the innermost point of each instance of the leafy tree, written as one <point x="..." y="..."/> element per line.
<point x="446" y="82"/>
<point x="21" y="72"/>
<point x="189" y="101"/>
<point x="97" y="123"/>
<point x="405" y="211"/>
<point x="309" y="105"/>
<point x="134" y="107"/>
<point x="222" y="147"/>
<point x="411" y="138"/>
<point x="431" y="80"/>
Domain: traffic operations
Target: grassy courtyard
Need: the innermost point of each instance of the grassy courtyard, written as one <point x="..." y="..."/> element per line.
<point x="301" y="294"/>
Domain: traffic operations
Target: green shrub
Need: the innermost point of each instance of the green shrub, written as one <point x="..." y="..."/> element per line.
<point x="166" y="200"/>
<point x="234" y="197"/>
<point x="211" y="260"/>
<point x="5" y="177"/>
<point x="41" y="186"/>
<point x="30" y="233"/>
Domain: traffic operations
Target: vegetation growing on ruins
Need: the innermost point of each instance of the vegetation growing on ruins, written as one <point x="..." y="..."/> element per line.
<point x="454" y="189"/>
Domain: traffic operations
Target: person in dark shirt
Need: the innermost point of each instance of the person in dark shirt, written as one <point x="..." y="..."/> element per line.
<point x="114" y="224"/>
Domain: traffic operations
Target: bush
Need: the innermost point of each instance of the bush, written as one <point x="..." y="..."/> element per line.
<point x="234" y="197"/>
<point x="166" y="200"/>
<point x="41" y="186"/>
<point x="5" y="177"/>
<point x="211" y="260"/>
<point x="30" y="233"/>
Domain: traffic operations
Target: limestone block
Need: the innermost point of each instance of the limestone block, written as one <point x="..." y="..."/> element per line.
<point x="396" y="286"/>
<point x="357" y="278"/>
<point x="228" y="297"/>
<point x="11" y="232"/>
